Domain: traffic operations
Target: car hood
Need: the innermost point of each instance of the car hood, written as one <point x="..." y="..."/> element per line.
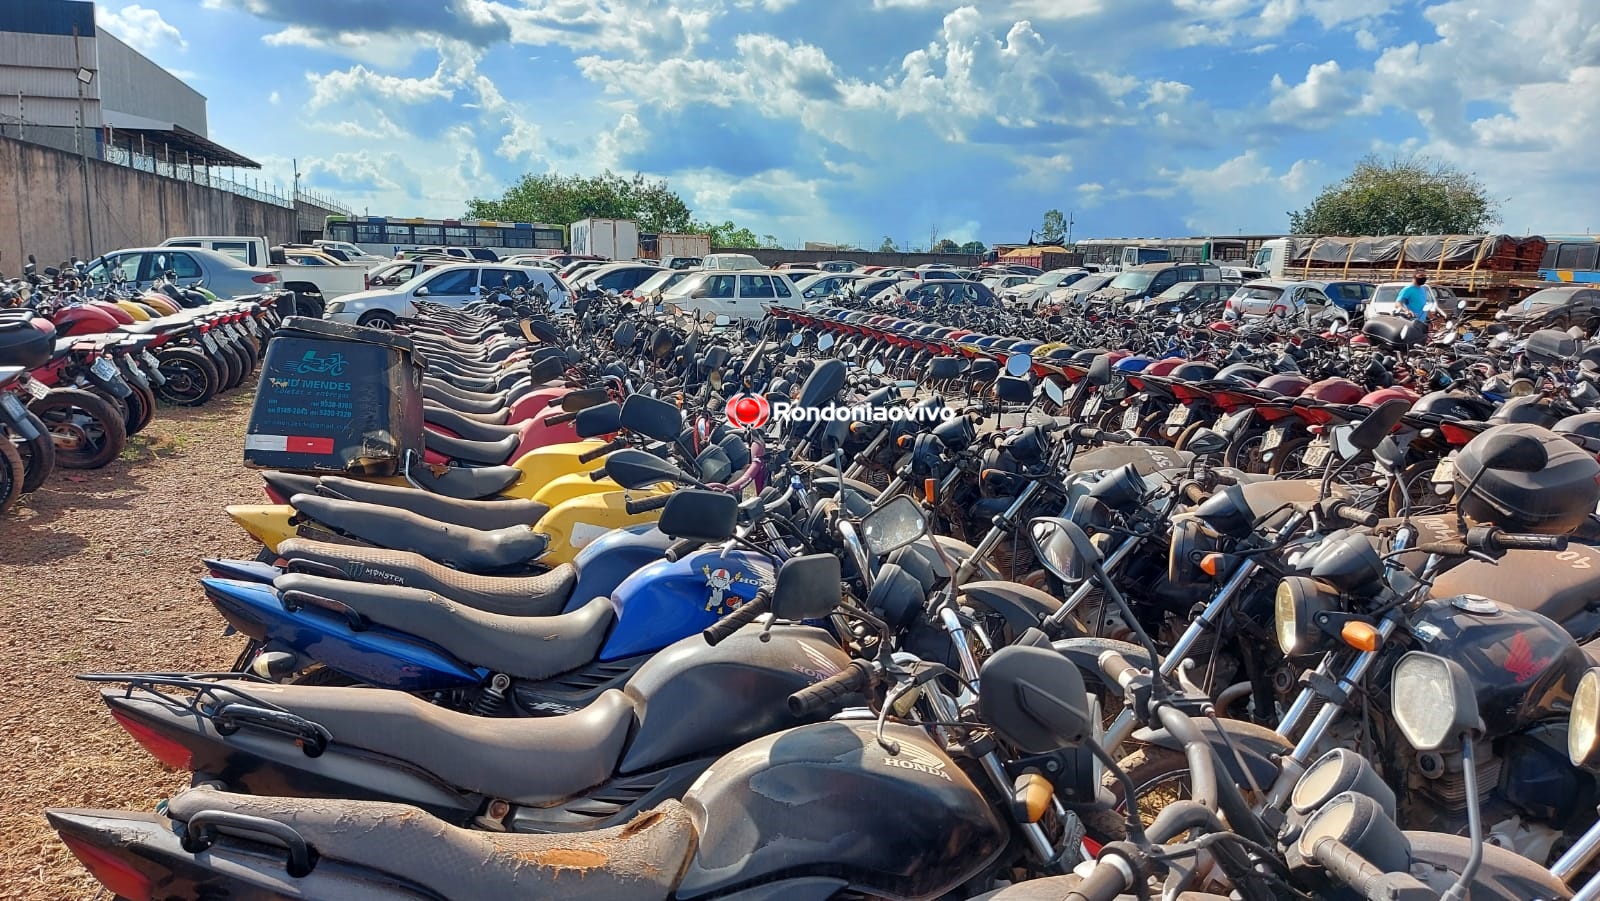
<point x="359" y="296"/>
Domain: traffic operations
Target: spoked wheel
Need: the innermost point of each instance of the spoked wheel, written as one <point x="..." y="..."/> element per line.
<point x="1416" y="485"/>
<point x="88" y="432"/>
<point x="1160" y="776"/>
<point x="1244" y="452"/>
<point x="192" y="378"/>
<point x="1288" y="459"/>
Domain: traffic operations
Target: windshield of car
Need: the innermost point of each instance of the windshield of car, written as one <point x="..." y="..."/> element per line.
<point x="687" y="284"/>
<point x="1176" y="291"/>
<point x="1092" y="283"/>
<point x="658" y="282"/>
<point x="1258" y="292"/>
<point x="1547" y="297"/>
<point x="1133" y="281"/>
<point x="1385" y="294"/>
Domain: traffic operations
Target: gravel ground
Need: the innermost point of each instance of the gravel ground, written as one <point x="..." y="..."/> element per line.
<point x="98" y="572"/>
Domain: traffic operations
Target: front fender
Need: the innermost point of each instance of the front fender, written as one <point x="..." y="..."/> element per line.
<point x="1258" y="745"/>
<point x="1023" y="607"/>
<point x="1086" y="651"/>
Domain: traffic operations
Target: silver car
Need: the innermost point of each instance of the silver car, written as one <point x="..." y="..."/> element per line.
<point x="223" y="275"/>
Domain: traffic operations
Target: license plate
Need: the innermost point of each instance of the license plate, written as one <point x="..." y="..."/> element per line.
<point x="1178" y="416"/>
<point x="1316" y="453"/>
<point x="1092" y="407"/>
<point x="150" y="361"/>
<point x="209" y="342"/>
<point x="1071" y="392"/>
<point x="1444" y="473"/>
<point x="1273" y="438"/>
<point x="38" y="389"/>
<point x="15" y="411"/>
<point x="104" y="369"/>
<point x="1130" y="418"/>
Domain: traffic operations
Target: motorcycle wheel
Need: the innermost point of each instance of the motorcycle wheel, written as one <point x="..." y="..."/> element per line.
<point x="87" y="431"/>
<point x="11" y="476"/>
<point x="38" y="456"/>
<point x="1417" y="481"/>
<point x="1288" y="458"/>
<point x="192" y="378"/>
<point x="1160" y="776"/>
<point x="224" y="363"/>
<point x="235" y="365"/>
<point x="141" y="408"/>
<point x="1244" y="451"/>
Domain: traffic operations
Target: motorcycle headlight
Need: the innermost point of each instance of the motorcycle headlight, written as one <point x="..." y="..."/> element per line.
<point x="1583" y="723"/>
<point x="1297" y="605"/>
<point x="1433" y="700"/>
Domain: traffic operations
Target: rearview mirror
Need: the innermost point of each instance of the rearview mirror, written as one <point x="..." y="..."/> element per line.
<point x="1100" y="370"/>
<point x="944" y="368"/>
<point x="699" y="515"/>
<point x="893" y="526"/>
<point x="807" y="588"/>
<point x="1013" y="390"/>
<point x="1366" y="435"/>
<point x="825" y="342"/>
<point x="421" y="292"/>
<point x="1052" y="390"/>
<point x="796" y="339"/>
<point x="1206" y="442"/>
<point x="722" y="319"/>
<point x="600" y="419"/>
<point x="1019" y="365"/>
<point x="633" y="468"/>
<point x="651" y="417"/>
<point x="1035" y="698"/>
<point x="1063" y="548"/>
<point x="876" y="367"/>
<point x="573" y="401"/>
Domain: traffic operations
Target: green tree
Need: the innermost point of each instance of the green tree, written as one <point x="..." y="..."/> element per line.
<point x="945" y="245"/>
<point x="1412" y="195"/>
<point x="973" y="247"/>
<point x="1054" y="227"/>
<point x="564" y="199"/>
<point x="888" y="245"/>
<point x="726" y="235"/>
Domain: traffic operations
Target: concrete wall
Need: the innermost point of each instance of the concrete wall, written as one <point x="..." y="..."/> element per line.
<point x="42" y="209"/>
<point x="774" y="257"/>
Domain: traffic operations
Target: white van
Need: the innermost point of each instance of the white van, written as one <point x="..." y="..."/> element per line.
<point x="739" y="294"/>
<point x="730" y="261"/>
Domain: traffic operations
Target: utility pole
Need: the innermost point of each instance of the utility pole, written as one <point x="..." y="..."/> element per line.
<point x="1069" y="228"/>
<point x="84" y="76"/>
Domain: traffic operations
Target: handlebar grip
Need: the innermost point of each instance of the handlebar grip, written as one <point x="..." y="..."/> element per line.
<point x="1194" y="494"/>
<point x="1104" y="883"/>
<point x="589" y="456"/>
<point x="853" y="678"/>
<point x="1456" y="548"/>
<point x="1346" y="866"/>
<point x="646" y="505"/>
<point x="559" y="418"/>
<point x="744" y="615"/>
<point x="1351" y="513"/>
<point x="598" y="473"/>
<point x="1512" y="541"/>
<point x="680" y="548"/>
<point x="1116" y="667"/>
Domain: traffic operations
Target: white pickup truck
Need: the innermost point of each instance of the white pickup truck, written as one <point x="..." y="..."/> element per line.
<point x="313" y="286"/>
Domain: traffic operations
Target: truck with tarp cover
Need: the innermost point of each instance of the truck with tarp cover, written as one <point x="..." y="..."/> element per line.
<point x="1487" y="270"/>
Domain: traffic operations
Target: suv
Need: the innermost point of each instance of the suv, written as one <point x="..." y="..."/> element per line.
<point x="457" y="285"/>
<point x="1185" y="297"/>
<point x="1281" y="297"/>
<point x="1385" y="300"/>
<point x="741" y="294"/>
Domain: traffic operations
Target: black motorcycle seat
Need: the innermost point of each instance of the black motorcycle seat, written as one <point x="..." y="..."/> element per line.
<point x="466" y="483"/>
<point x="524" y="647"/>
<point x="430" y="391"/>
<point x="289" y="484"/>
<point x="474" y="514"/>
<point x="639" y="861"/>
<point x="1531" y="580"/>
<point x="460" y="547"/>
<point x="527" y="760"/>
<point x="488" y="453"/>
<point x="542" y="595"/>
<point x="466" y="427"/>
<point x="497" y="417"/>
<point x="445" y="388"/>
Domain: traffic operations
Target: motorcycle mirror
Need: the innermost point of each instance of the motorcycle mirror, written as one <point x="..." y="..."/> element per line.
<point x="1019" y="365"/>
<point x="547" y="370"/>
<point x="1052" y="390"/>
<point x="1013" y="390"/>
<point x="796" y="339"/>
<point x="714" y="465"/>
<point x="822" y="384"/>
<point x="634" y="468"/>
<point x="1511" y="451"/>
<point x="1434" y="700"/>
<point x="825" y="342"/>
<point x="697" y="515"/>
<point x="1206" y="442"/>
<point x="893" y="526"/>
<point x="807" y="588"/>
<point x="662" y="344"/>
<point x="781" y="328"/>
<point x="51" y="271"/>
<point x="943" y="368"/>
<point x="652" y="418"/>
<point x="545" y="332"/>
<point x="1379" y="423"/>
<point x="721" y="320"/>
<point x="601" y="419"/>
<point x="574" y="401"/>
<point x="876" y="367"/>
<point x="983" y="370"/>
<point x="1035" y="698"/>
<point x="1054" y="544"/>
<point x="1100" y="370"/>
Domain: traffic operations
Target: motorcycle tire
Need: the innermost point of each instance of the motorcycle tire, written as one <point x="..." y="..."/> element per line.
<point x="11" y="476"/>
<point x="88" y="432"/>
<point x="192" y="378"/>
<point x="141" y="409"/>
<point x="38" y="456"/>
<point x="1285" y="463"/>
<point x="1244" y="452"/>
<point x="251" y="345"/>
<point x="224" y="363"/>
<point x="235" y="365"/>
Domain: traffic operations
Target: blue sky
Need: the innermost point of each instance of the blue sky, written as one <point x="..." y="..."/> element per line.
<point x="828" y="120"/>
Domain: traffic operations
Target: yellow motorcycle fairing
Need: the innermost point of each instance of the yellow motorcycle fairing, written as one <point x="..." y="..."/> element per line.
<point x="564" y="488"/>
<point x="539" y="467"/>
<point x="573" y="524"/>
<point x="266" y="523"/>
<point x="137" y="311"/>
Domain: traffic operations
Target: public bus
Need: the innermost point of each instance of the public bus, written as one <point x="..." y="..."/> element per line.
<point x="1571" y="258"/>
<point x="1126" y="251"/>
<point x="387" y="235"/>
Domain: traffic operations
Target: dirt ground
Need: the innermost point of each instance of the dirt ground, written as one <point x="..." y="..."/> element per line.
<point x="98" y="572"/>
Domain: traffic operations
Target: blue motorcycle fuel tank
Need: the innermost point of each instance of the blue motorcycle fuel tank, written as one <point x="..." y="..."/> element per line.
<point x="607" y="561"/>
<point x="666" y="601"/>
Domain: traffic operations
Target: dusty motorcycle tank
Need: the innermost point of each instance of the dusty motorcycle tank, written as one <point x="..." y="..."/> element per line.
<point x="1561" y="585"/>
<point x="827" y="800"/>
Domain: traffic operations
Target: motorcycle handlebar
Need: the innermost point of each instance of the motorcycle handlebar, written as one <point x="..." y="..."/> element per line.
<point x="562" y="417"/>
<point x="1194" y="494"/>
<point x="747" y="613"/>
<point x="646" y="505"/>
<point x="853" y="678"/>
<point x="1346" y="866"/>
<point x="1116" y="667"/>
<point x="1494" y="541"/>
<point x="1085" y="434"/>
<point x="680" y="548"/>
<point x="1353" y="514"/>
<point x="1513" y="541"/>
<point x="1110" y="877"/>
<point x="589" y="456"/>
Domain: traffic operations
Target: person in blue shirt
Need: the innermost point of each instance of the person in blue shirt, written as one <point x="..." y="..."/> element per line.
<point x="1414" y="298"/>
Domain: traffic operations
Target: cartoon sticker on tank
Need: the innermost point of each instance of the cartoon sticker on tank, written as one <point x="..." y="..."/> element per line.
<point x="719" y="581"/>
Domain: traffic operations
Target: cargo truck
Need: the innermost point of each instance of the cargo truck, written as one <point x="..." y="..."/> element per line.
<point x="614" y="239"/>
<point x="1486" y="271"/>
